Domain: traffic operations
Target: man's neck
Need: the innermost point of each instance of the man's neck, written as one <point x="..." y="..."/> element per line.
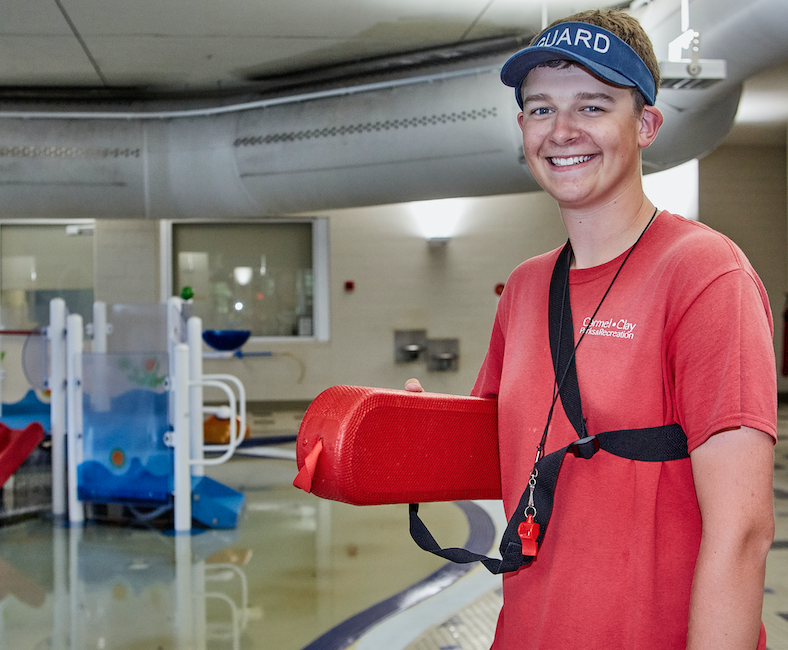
<point x="601" y="235"/>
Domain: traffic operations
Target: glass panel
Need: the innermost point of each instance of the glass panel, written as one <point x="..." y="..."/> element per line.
<point x="255" y="277"/>
<point x="137" y="328"/>
<point x="41" y="262"/>
<point x="124" y="422"/>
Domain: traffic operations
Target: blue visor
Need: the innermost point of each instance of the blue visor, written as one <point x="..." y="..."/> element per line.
<point x="596" y="49"/>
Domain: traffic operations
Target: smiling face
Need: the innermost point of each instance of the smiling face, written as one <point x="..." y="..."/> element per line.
<point x="582" y="138"/>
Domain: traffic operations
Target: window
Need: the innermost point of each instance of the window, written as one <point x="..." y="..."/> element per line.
<point x="41" y="261"/>
<point x="268" y="277"/>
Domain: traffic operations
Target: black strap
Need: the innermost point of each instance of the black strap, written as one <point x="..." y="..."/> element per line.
<point x="652" y="444"/>
<point x="562" y="341"/>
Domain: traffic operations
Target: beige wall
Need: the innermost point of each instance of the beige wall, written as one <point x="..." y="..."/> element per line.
<point x="742" y="192"/>
<point x="126" y="263"/>
<point x="400" y="284"/>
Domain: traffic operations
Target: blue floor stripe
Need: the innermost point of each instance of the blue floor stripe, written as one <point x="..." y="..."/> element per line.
<point x="481" y="538"/>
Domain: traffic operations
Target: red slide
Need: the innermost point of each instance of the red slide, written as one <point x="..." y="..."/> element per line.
<point x="16" y="445"/>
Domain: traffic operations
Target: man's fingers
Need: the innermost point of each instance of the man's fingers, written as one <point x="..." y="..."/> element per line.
<point x="414" y="386"/>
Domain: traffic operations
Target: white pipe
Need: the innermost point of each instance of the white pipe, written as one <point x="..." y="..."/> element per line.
<point x="182" y="490"/>
<point x="100" y="400"/>
<point x="196" y="430"/>
<point x="685" y="18"/>
<point x="56" y="333"/>
<point x="99" y="326"/>
<point x="165" y="244"/>
<point x="174" y="337"/>
<point x="74" y="341"/>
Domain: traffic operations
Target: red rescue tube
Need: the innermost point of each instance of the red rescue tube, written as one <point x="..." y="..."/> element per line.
<point x="383" y="446"/>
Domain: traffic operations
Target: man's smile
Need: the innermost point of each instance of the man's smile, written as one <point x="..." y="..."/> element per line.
<point x="566" y="162"/>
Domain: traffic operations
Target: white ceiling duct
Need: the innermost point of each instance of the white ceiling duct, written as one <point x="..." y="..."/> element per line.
<point x="450" y="134"/>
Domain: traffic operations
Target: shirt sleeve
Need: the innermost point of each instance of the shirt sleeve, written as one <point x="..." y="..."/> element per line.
<point x="488" y="381"/>
<point x="721" y="360"/>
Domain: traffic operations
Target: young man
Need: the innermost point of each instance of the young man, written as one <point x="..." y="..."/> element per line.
<point x="671" y="327"/>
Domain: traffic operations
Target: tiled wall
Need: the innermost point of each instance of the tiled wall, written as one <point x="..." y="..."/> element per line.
<point x="743" y="194"/>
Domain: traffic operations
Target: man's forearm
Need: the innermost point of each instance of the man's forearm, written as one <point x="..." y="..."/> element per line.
<point x="727" y="597"/>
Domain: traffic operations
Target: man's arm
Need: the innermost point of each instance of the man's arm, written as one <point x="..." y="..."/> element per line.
<point x="733" y="481"/>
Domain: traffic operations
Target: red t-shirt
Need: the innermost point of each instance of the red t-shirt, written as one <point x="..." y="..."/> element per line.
<point x="684" y="336"/>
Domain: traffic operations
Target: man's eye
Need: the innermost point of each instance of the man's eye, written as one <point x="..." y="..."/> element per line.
<point x="540" y="111"/>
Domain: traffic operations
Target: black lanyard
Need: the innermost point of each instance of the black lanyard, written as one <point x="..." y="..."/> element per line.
<point x="652" y="444"/>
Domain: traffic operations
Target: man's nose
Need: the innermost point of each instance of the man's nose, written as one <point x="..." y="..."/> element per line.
<point x="565" y="128"/>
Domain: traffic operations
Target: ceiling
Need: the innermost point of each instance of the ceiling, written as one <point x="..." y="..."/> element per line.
<point x="207" y="46"/>
<point x="61" y="50"/>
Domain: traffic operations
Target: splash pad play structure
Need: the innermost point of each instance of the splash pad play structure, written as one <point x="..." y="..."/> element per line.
<point x="132" y="410"/>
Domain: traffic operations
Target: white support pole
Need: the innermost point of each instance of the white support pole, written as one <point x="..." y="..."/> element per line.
<point x="56" y="333"/>
<point x="196" y="433"/>
<point x="182" y="491"/>
<point x="100" y="400"/>
<point x="74" y="341"/>
<point x="99" y="326"/>
<point x="175" y="335"/>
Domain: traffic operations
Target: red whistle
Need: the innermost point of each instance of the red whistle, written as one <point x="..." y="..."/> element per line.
<point x="528" y="531"/>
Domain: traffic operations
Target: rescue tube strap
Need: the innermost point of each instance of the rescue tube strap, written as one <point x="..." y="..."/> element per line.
<point x="652" y="444"/>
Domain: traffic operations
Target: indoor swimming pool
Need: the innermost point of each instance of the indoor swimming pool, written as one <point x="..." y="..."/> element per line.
<point x="298" y="573"/>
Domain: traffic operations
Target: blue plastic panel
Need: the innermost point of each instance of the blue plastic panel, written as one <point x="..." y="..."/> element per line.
<point x="124" y="422"/>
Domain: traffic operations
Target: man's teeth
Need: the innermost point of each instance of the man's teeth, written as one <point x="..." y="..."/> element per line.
<point x="565" y="162"/>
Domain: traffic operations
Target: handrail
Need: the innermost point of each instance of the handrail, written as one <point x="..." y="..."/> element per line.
<point x="233" y="424"/>
<point x="241" y="406"/>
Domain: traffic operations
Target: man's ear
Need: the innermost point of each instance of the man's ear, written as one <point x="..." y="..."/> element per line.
<point x="520" y="119"/>
<point x="650" y="123"/>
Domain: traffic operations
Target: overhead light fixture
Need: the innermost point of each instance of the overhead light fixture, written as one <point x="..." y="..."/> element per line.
<point x="439" y="220"/>
<point x="242" y="275"/>
<point x="438" y="242"/>
<point x="680" y="73"/>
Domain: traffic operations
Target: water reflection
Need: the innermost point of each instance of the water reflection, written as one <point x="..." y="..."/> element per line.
<point x="118" y="588"/>
<point x="295" y="568"/>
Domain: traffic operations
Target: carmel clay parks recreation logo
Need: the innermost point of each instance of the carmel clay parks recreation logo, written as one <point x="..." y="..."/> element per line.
<point x="619" y="328"/>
